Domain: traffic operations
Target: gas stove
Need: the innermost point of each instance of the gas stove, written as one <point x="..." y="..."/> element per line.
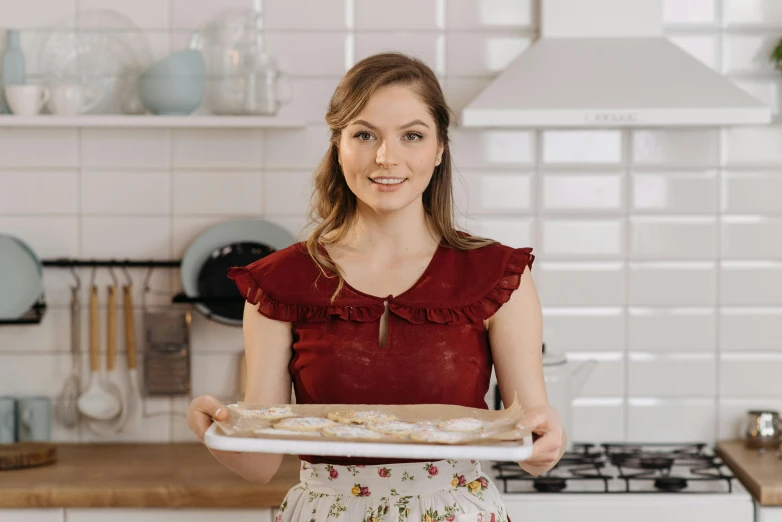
<point x="624" y="481"/>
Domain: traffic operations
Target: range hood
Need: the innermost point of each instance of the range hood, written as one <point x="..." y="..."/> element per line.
<point x="606" y="63"/>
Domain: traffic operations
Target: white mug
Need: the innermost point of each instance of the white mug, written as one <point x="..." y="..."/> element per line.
<point x="66" y="99"/>
<point x="26" y="100"/>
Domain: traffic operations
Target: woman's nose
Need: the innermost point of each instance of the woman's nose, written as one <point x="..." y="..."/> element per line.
<point x="386" y="156"/>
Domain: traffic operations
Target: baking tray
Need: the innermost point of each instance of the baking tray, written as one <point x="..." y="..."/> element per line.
<point x="515" y="451"/>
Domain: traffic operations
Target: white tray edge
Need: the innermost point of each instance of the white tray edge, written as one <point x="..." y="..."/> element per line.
<point x="502" y="452"/>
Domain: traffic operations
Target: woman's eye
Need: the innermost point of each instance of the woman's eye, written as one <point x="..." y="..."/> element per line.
<point x="413" y="136"/>
<point x="363" y="136"/>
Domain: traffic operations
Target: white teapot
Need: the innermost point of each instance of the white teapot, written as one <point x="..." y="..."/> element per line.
<point x="564" y="381"/>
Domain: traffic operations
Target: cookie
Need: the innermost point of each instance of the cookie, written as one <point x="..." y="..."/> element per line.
<point x="462" y="425"/>
<point x="268" y="413"/>
<point x="435" y="435"/>
<point x="352" y="432"/>
<point x="303" y="424"/>
<point x="394" y="427"/>
<point x="359" y="417"/>
<point x="274" y="431"/>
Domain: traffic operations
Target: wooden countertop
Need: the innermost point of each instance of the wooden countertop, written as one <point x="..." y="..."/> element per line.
<point x="141" y="475"/>
<point x="761" y="473"/>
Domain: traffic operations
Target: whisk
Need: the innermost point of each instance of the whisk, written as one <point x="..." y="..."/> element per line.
<point x="66" y="409"/>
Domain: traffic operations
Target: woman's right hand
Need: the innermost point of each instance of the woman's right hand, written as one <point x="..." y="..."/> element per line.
<point x="203" y="409"/>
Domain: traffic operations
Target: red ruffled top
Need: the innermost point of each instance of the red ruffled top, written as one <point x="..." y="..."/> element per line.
<point x="437" y="347"/>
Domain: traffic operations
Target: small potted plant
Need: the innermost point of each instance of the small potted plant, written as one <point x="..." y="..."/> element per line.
<point x="776" y="55"/>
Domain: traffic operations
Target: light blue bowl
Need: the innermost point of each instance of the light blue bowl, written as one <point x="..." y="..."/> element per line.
<point x="171" y="95"/>
<point x="188" y="62"/>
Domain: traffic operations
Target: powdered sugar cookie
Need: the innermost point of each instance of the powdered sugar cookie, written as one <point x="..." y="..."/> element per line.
<point x="426" y="425"/>
<point x="394" y="428"/>
<point x="435" y="435"/>
<point x="303" y="424"/>
<point x="269" y="413"/>
<point x="353" y="432"/>
<point x="274" y="431"/>
<point x="359" y="417"/>
<point x="462" y="425"/>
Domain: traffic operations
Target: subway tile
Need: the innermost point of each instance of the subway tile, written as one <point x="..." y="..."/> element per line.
<point x="51" y="335"/>
<point x="751" y="13"/>
<point x="581" y="283"/>
<point x="491" y="148"/>
<point x="733" y="413"/>
<point x="185" y="230"/>
<point x="186" y="14"/>
<point x="215" y="374"/>
<point x="33" y="374"/>
<point x="676" y="147"/>
<point x="750" y="329"/>
<point x="563" y="238"/>
<point x="296" y="225"/>
<point x="287" y="192"/>
<point x="48" y="237"/>
<point x="221" y="193"/>
<point x="751" y="283"/>
<point x="753" y="145"/>
<point x="672" y="374"/>
<point x="304" y="14"/>
<point x="751" y="237"/>
<point x="309" y="53"/>
<point x="125" y="148"/>
<point x="582" y="192"/>
<point x="675" y="192"/>
<point x="747" y="53"/>
<point x="514" y="232"/>
<point x="694" y="12"/>
<point x="671" y="420"/>
<point x="139" y="193"/>
<point x="751" y="192"/>
<point x="496" y="192"/>
<point x="217" y="148"/>
<point x="750" y="374"/>
<point x="482" y="54"/>
<point x="22" y="192"/>
<point x="296" y="149"/>
<point x="22" y="147"/>
<point x="667" y="237"/>
<point x="704" y="48"/>
<point x="123" y="237"/>
<point x="423" y="46"/>
<point x="584" y="329"/>
<point x="487" y="15"/>
<point x="766" y="90"/>
<point x="210" y="337"/>
<point x="314" y="95"/>
<point x="598" y="420"/>
<point x="402" y="14"/>
<point x="672" y="283"/>
<point x="461" y="91"/>
<point x="144" y="14"/>
<point x="605" y="373"/>
<point x="671" y="329"/>
<point x="582" y="146"/>
<point x="36" y="14"/>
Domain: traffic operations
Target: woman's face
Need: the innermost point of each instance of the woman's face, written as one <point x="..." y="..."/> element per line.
<point x="389" y="152"/>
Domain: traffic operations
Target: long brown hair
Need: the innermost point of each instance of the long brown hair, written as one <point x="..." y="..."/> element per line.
<point x="333" y="204"/>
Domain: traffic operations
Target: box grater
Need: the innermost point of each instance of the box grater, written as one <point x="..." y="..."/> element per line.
<point x="167" y="352"/>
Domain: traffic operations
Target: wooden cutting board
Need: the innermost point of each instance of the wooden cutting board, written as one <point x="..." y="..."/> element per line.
<point x="761" y="473"/>
<point x="26" y="455"/>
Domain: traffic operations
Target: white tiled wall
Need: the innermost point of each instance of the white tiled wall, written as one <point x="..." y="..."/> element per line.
<point x="659" y="250"/>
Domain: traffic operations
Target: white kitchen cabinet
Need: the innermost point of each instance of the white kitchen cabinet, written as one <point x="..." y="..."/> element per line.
<point x="166" y="515"/>
<point x="32" y="515"/>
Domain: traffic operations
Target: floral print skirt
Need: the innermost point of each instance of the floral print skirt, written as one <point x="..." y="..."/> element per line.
<point x="438" y="491"/>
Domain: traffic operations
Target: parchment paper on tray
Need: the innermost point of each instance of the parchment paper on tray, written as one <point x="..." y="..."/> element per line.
<point x="500" y="425"/>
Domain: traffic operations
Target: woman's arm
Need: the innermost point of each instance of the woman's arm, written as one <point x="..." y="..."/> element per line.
<point x="516" y="337"/>
<point x="268" y="349"/>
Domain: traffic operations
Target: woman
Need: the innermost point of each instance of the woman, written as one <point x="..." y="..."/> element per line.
<point x="387" y="303"/>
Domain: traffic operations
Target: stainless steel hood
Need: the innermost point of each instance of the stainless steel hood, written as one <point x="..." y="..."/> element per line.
<point x="606" y="63"/>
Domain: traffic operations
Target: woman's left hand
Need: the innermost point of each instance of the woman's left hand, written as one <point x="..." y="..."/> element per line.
<point x="548" y="446"/>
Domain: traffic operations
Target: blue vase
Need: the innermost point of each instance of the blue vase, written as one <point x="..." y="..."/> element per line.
<point x="12" y="68"/>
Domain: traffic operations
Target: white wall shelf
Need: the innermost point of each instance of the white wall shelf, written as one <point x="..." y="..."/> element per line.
<point x="147" y="121"/>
